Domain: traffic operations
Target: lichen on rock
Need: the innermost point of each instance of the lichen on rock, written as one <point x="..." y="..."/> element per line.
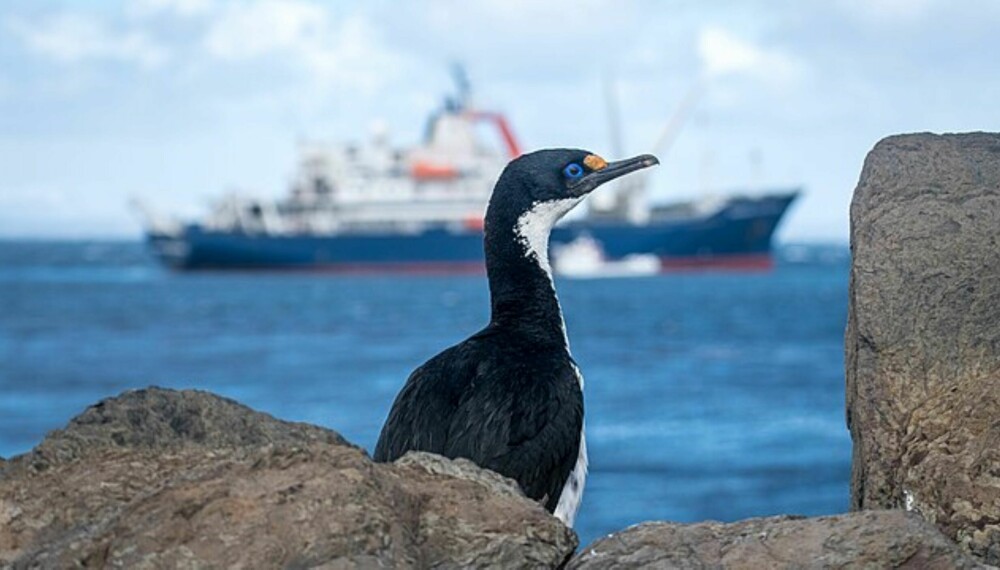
<point x="922" y="341"/>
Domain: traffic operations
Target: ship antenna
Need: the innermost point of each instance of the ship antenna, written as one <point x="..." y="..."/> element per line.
<point x="627" y="198"/>
<point x="617" y="200"/>
<point x="461" y="79"/>
<point x="614" y="115"/>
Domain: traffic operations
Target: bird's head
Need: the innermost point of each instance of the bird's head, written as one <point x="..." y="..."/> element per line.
<point x="551" y="182"/>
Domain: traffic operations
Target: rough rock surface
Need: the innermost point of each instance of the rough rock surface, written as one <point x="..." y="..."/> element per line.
<point x="157" y="418"/>
<point x="872" y="539"/>
<point x="158" y="478"/>
<point x="923" y="340"/>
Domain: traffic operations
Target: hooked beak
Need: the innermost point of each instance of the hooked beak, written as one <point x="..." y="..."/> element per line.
<point x="613" y="170"/>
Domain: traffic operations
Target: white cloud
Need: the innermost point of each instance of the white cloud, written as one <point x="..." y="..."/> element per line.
<point x="530" y="18"/>
<point x="183" y="8"/>
<point x="244" y="31"/>
<point x="346" y="50"/>
<point x="71" y="38"/>
<point x="891" y="11"/>
<point x="723" y="53"/>
<point x="555" y="40"/>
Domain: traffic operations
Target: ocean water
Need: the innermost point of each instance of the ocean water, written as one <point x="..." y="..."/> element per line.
<point x="708" y="395"/>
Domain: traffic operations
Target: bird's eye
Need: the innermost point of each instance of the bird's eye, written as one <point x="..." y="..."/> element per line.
<point x="574" y="171"/>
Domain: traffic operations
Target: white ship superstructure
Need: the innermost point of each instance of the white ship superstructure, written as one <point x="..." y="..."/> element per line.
<point x="378" y="207"/>
<point x="446" y="181"/>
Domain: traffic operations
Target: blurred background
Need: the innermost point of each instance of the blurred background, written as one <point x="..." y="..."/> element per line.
<point x="711" y="393"/>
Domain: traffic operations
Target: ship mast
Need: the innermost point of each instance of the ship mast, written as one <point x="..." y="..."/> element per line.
<point x="628" y="199"/>
<point x="498" y="120"/>
<point x="463" y="88"/>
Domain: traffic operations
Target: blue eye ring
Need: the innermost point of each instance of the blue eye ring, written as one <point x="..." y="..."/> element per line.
<point x="573" y="171"/>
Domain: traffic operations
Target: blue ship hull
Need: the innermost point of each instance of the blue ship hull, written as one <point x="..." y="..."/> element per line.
<point x="737" y="236"/>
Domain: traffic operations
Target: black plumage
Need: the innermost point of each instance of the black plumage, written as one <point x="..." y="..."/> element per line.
<point x="510" y="397"/>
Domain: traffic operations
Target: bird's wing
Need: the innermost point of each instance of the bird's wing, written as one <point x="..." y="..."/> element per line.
<point x="420" y="417"/>
<point x="524" y="427"/>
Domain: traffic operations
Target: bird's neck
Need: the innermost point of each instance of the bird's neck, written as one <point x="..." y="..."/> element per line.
<point x="522" y="293"/>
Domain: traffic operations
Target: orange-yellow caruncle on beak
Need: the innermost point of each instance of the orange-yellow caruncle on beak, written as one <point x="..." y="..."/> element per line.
<point x="594" y="162"/>
<point x="601" y="171"/>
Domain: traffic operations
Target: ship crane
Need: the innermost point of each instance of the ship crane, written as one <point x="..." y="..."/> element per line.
<point x="450" y="132"/>
<point x="627" y="200"/>
<point x="503" y="127"/>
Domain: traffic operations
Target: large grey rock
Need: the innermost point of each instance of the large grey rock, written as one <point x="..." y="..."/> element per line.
<point x="158" y="418"/>
<point x="923" y="334"/>
<point x="874" y="539"/>
<point x="147" y="481"/>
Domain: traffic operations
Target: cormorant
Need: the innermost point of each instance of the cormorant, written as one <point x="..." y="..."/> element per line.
<point x="510" y="397"/>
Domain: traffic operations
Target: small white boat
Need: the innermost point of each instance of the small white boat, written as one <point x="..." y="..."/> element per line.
<point x="584" y="258"/>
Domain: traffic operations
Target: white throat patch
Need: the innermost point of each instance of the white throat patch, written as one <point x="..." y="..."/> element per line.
<point x="535" y="225"/>
<point x="533" y="229"/>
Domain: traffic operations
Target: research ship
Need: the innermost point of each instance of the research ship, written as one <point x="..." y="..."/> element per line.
<point x="374" y="207"/>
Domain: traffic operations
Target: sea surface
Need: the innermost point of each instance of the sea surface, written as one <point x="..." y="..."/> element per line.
<point x="708" y="395"/>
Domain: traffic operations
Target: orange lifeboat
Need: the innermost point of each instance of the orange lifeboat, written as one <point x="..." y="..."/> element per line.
<point x="423" y="170"/>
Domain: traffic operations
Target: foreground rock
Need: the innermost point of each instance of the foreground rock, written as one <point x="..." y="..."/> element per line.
<point x="165" y="479"/>
<point x="157" y="418"/>
<point x="875" y="539"/>
<point x="159" y="478"/>
<point x="923" y="341"/>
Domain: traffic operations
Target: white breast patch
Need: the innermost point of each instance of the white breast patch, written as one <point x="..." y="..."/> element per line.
<point x="572" y="491"/>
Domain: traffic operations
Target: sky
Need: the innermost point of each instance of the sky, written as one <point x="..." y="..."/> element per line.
<point x="176" y="102"/>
